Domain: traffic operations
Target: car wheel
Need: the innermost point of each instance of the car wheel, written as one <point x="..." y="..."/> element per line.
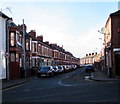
<point x="38" y="75"/>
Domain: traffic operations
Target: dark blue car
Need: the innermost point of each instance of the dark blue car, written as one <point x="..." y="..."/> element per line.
<point x="89" y="68"/>
<point x="45" y="71"/>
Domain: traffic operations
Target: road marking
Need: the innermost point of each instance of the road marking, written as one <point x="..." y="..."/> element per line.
<point x="62" y="84"/>
<point x="66" y="84"/>
<point x="14" y="86"/>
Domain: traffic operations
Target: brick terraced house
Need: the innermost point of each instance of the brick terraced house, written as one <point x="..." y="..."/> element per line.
<point x="24" y="59"/>
<point x="112" y="45"/>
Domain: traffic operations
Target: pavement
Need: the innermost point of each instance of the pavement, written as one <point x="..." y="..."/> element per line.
<point x="11" y="83"/>
<point x="76" y="77"/>
<point x="101" y="76"/>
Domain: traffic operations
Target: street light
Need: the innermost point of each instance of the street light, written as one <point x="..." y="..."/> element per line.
<point x="104" y="31"/>
<point x="24" y="48"/>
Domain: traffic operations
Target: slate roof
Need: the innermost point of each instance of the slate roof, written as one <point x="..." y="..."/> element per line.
<point x="3" y="15"/>
<point x="12" y="25"/>
<point x="117" y="13"/>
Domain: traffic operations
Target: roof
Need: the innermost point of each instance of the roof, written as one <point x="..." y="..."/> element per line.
<point x="117" y="13"/>
<point x="12" y="25"/>
<point x="28" y="35"/>
<point x="3" y="15"/>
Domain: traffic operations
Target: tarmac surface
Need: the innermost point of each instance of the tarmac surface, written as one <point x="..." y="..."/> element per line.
<point x="73" y="78"/>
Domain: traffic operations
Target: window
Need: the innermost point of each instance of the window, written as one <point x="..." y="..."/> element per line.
<point x="30" y="44"/>
<point x="19" y="38"/>
<point x="35" y="45"/>
<point x="33" y="62"/>
<point x="27" y="45"/>
<point x="12" y="39"/>
<point x="12" y="57"/>
<point x="17" y="57"/>
<point x="32" y="47"/>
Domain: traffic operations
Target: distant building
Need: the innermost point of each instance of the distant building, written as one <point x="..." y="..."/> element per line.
<point x="90" y="58"/>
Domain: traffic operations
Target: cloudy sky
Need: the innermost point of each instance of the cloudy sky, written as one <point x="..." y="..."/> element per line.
<point x="71" y="24"/>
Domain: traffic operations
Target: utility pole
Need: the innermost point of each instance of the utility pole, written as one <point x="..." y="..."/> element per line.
<point x="24" y="51"/>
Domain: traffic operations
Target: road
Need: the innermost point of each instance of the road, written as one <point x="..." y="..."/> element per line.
<point x="66" y="87"/>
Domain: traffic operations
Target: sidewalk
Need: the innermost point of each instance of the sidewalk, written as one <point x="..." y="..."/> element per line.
<point x="80" y="77"/>
<point x="101" y="76"/>
<point x="10" y="83"/>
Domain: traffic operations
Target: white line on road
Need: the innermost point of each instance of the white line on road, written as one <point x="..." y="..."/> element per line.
<point x="63" y="84"/>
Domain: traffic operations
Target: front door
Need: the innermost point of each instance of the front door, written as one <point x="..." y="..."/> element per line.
<point x="117" y="63"/>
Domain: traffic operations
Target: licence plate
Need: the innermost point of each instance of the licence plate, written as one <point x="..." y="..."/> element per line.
<point x="43" y="74"/>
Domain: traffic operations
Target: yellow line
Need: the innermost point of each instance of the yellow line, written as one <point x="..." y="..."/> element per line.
<point x="14" y="86"/>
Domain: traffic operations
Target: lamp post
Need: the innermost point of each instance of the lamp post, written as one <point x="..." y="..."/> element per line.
<point x="103" y="31"/>
<point x="24" y="48"/>
<point x="7" y="48"/>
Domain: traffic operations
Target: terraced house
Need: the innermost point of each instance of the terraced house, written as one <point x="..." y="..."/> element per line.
<point x="26" y="51"/>
<point x="112" y="45"/>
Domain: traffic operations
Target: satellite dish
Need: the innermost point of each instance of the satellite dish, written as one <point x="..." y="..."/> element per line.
<point x="103" y="30"/>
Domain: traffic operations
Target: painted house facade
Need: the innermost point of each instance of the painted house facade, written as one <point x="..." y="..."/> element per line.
<point x="3" y="32"/>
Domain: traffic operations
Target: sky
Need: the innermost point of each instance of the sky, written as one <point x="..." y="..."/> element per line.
<point x="73" y="24"/>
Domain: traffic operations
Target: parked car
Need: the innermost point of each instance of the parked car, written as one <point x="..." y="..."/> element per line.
<point x="60" y="69"/>
<point x="89" y="68"/>
<point x="55" y="69"/>
<point x="74" y="67"/>
<point x="65" y="68"/>
<point x="45" y="71"/>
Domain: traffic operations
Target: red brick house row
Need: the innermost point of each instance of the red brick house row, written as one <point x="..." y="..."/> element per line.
<point x="24" y="59"/>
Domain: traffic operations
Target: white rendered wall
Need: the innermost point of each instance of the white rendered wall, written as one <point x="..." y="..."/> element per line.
<point x="2" y="48"/>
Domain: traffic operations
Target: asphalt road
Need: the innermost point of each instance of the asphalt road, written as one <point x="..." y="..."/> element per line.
<point x="66" y="87"/>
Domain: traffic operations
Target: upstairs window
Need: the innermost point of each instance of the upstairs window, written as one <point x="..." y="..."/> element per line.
<point x="12" y="39"/>
<point x="27" y="45"/>
<point x="17" y="57"/>
<point x="12" y="57"/>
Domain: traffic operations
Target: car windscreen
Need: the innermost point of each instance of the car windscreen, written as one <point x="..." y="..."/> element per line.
<point x="89" y="66"/>
<point x="45" y="68"/>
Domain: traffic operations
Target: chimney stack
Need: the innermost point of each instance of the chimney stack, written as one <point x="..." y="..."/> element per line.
<point x="40" y="38"/>
<point x="33" y="33"/>
<point x="92" y="54"/>
<point x="89" y="54"/>
<point x="20" y="27"/>
<point x="47" y="42"/>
